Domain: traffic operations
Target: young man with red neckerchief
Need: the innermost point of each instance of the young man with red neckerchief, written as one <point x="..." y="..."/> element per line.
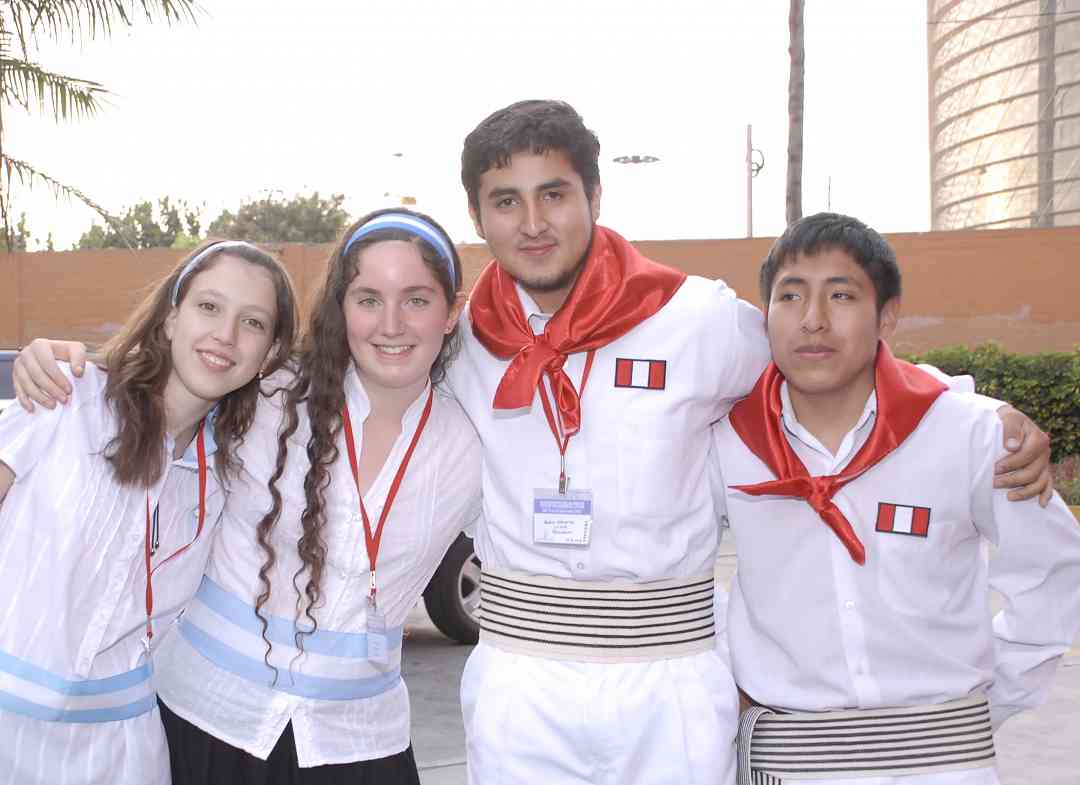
<point x="593" y="376"/>
<point x="860" y="494"/>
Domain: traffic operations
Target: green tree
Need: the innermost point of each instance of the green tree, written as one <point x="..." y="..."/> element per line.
<point x="18" y="238"/>
<point x="302" y="219"/>
<point x="172" y="224"/>
<point x="30" y="87"/>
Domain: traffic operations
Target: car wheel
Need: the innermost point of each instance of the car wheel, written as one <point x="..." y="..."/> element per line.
<point x="452" y="597"/>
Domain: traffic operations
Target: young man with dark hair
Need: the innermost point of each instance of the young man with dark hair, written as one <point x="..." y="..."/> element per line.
<point x="861" y="497"/>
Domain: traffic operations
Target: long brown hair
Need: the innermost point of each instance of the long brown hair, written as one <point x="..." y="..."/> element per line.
<point x="320" y="383"/>
<point x="138" y="360"/>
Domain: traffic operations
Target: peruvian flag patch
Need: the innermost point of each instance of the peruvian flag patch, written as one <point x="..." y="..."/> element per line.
<point x="641" y="374"/>
<point x="903" y="519"/>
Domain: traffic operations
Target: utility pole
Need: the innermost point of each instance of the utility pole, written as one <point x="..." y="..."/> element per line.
<point x="753" y="166"/>
<point x="749" y="182"/>
<point x="795" y="111"/>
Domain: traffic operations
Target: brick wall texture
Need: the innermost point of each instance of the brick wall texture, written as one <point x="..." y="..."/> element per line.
<point x="1020" y="288"/>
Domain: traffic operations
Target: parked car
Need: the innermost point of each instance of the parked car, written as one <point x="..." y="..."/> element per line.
<point x="7" y="390"/>
<point x="452" y="596"/>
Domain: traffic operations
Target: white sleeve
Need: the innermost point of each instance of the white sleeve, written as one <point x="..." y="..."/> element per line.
<point x="720" y="596"/>
<point x="25" y="438"/>
<point x="1036" y="569"/>
<point x="734" y="343"/>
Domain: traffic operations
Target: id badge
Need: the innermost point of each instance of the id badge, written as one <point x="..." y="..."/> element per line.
<point x="562" y="518"/>
<point x="378" y="649"/>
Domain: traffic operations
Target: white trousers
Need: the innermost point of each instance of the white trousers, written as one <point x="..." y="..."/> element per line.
<point x="546" y="722"/>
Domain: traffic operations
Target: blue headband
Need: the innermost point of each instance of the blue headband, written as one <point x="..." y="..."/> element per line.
<point x="199" y="258"/>
<point x="413" y="225"/>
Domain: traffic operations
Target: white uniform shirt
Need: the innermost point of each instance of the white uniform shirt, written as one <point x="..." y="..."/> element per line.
<point x="811" y="630"/>
<point x="437" y="498"/>
<point x="642" y="452"/>
<point x="72" y="564"/>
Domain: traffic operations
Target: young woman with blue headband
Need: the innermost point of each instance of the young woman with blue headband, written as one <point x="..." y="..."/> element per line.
<point x="108" y="507"/>
<point x="357" y="475"/>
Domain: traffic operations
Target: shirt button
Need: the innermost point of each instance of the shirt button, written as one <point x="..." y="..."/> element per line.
<point x="850" y="605"/>
<point x="581" y="565"/>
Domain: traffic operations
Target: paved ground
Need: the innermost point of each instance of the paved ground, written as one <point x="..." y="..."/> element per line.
<point x="1041" y="747"/>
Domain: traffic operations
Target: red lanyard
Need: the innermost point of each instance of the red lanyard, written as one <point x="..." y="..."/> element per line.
<point x="562" y="439"/>
<point x="372" y="540"/>
<point x="200" y="449"/>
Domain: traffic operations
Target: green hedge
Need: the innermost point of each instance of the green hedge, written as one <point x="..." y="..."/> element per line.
<point x="1046" y="387"/>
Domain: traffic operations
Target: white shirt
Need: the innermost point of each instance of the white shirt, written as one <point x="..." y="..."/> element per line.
<point x="642" y="452"/>
<point x="72" y="564"/>
<point x="437" y="498"/>
<point x="811" y="630"/>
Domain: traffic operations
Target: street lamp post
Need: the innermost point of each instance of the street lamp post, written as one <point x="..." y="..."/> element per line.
<point x="753" y="166"/>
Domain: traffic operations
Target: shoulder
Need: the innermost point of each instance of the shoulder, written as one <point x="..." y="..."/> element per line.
<point x="699" y="292"/>
<point x="962" y="417"/>
<point x="451" y="416"/>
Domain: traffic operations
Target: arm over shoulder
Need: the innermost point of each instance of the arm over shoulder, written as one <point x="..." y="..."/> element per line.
<point x="25" y="438"/>
<point x="733" y="343"/>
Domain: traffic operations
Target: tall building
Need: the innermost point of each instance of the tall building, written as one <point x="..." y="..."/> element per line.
<point x="1004" y="113"/>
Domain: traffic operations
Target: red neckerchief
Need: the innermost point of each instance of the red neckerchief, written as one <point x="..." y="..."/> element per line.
<point x="617" y="289"/>
<point x="904" y="395"/>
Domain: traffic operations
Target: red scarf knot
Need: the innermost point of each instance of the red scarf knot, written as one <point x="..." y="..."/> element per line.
<point x="616" y="290"/>
<point x="904" y="396"/>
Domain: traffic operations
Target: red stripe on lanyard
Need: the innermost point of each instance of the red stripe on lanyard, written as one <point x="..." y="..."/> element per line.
<point x="562" y="439"/>
<point x="372" y="540"/>
<point x="200" y="449"/>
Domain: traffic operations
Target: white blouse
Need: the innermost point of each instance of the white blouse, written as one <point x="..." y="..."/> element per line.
<point x="73" y="653"/>
<point x="342" y="706"/>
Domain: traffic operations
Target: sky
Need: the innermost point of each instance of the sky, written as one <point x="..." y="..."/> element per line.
<point x="373" y="99"/>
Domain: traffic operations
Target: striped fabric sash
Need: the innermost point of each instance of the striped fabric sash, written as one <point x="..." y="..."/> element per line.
<point x="333" y="665"/>
<point x="597" y="621"/>
<point x="776" y="747"/>
<point x="35" y="692"/>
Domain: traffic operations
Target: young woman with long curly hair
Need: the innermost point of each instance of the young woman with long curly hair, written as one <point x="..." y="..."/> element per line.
<point x="107" y="510"/>
<point x="358" y="473"/>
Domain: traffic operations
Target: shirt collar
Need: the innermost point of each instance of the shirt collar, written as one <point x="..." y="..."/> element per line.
<point x="360" y="405"/>
<point x="797" y="431"/>
<point x="190" y="457"/>
<point x="536" y="318"/>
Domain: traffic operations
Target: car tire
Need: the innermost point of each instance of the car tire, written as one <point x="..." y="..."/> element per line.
<point x="452" y="597"/>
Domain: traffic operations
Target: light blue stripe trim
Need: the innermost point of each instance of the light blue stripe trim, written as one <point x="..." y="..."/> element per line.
<point x="283" y="631"/>
<point x="17" y="705"/>
<point x="27" y="672"/>
<point x="415" y="226"/>
<point x="301" y="684"/>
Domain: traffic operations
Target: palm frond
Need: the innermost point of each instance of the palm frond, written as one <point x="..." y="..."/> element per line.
<point x="29" y="175"/>
<point x="23" y="82"/>
<point x="82" y="19"/>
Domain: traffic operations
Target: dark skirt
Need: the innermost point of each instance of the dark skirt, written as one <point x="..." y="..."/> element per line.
<point x="199" y="758"/>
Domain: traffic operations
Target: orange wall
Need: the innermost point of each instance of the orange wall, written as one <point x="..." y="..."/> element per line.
<point x="1019" y="287"/>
